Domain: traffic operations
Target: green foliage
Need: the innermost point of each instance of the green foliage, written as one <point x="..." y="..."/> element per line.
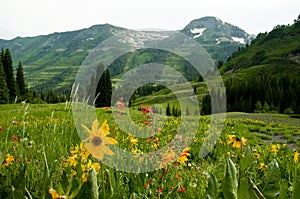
<point x="20" y="81"/>
<point x="212" y="188"/>
<point x="230" y="183"/>
<point x="104" y="89"/>
<point x="9" y="73"/>
<point x="4" y="92"/>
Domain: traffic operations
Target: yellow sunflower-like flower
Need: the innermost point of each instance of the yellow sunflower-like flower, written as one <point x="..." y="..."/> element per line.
<point x="183" y="157"/>
<point x="236" y="142"/>
<point x="97" y="140"/>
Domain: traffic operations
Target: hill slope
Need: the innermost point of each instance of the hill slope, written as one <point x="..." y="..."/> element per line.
<point x="51" y="61"/>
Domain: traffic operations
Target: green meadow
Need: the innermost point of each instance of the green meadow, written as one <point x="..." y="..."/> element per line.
<point x="42" y="156"/>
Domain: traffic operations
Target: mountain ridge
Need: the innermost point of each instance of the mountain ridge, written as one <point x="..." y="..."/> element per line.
<point x="53" y="59"/>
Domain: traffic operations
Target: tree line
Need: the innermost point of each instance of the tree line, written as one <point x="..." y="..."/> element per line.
<point x="263" y="94"/>
<point x="14" y="89"/>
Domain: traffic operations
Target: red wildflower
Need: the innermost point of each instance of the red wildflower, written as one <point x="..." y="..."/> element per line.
<point x="145" y="185"/>
<point x="16" y="139"/>
<point x="0" y="129"/>
<point x="146" y="122"/>
<point x="160" y="190"/>
<point x="178" y="176"/>
<point x="106" y="108"/>
<point x="181" y="190"/>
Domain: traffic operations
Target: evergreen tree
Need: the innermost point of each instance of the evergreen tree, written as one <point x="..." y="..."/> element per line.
<point x="20" y="81"/>
<point x="187" y="113"/>
<point x="168" y="110"/>
<point x="4" y="94"/>
<point x="104" y="90"/>
<point x="9" y="72"/>
<point x="206" y="105"/>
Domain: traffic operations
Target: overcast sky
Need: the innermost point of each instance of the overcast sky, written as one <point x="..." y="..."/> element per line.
<point x="36" y="17"/>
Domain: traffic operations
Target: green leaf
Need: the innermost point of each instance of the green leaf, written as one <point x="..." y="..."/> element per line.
<point x="75" y="192"/>
<point x="247" y="160"/>
<point x="92" y="179"/>
<point x="248" y="190"/>
<point x="296" y="190"/>
<point x="212" y="188"/>
<point x="59" y="189"/>
<point x="230" y="184"/>
<point x="68" y="189"/>
<point x="271" y="180"/>
<point x="2" y="158"/>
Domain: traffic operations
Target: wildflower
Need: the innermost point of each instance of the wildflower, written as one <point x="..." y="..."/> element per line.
<point x="236" y="142"/>
<point x="0" y="129"/>
<point x="168" y="158"/>
<point x="8" y="161"/>
<point x="160" y="190"/>
<point x="178" y="176"/>
<point x="14" y="122"/>
<point x="145" y="185"/>
<point x="97" y="140"/>
<point x="54" y="194"/>
<point x="296" y="156"/>
<point x="183" y="157"/>
<point x="15" y="138"/>
<point x="275" y="148"/>
<point x="133" y="140"/>
<point x="181" y="190"/>
<point x="84" y="177"/>
<point x="106" y="108"/>
<point x="262" y="166"/>
<point x="146" y="110"/>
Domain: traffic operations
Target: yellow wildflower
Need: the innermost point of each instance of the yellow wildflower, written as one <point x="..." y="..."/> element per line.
<point x="133" y="140"/>
<point x="8" y="161"/>
<point x="296" y="156"/>
<point x="84" y="177"/>
<point x="236" y="142"/>
<point x="183" y="157"/>
<point x="55" y="195"/>
<point x="262" y="166"/>
<point x="275" y="148"/>
<point x="97" y="140"/>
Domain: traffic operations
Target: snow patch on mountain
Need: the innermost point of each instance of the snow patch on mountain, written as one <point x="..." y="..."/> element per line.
<point x="240" y="40"/>
<point x="198" y="32"/>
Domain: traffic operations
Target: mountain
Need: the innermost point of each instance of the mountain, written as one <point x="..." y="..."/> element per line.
<point x="220" y="39"/>
<point x="276" y="52"/>
<point x="51" y="61"/>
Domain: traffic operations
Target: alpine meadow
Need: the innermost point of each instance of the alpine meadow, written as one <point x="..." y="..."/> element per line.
<point x="110" y="139"/>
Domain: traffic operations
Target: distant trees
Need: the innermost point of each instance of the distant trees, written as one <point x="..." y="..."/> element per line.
<point x="264" y="94"/>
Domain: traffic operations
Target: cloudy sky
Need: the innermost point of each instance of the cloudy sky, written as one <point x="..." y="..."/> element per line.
<point x="36" y="17"/>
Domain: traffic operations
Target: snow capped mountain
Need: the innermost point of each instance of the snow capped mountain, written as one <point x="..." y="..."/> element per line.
<point x="219" y="38"/>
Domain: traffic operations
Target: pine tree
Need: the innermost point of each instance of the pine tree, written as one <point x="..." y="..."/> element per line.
<point x="4" y="94"/>
<point x="168" y="110"/>
<point x="104" y="90"/>
<point x="9" y="72"/>
<point x="20" y="81"/>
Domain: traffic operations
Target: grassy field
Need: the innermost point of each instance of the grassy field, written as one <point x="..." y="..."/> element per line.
<point x="42" y="156"/>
